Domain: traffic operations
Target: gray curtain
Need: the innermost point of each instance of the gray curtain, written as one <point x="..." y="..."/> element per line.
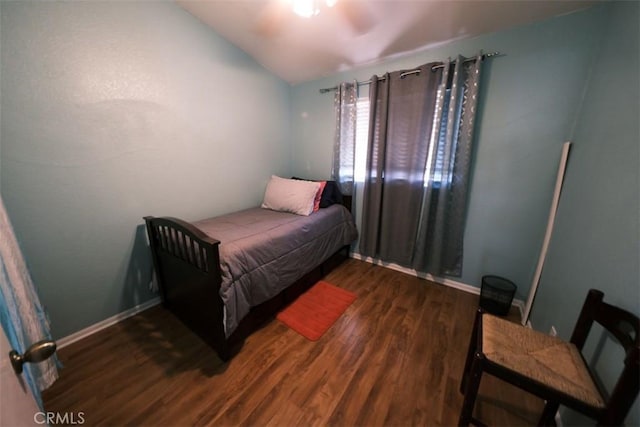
<point x="345" y="101"/>
<point x="415" y="192"/>
<point x="401" y="118"/>
<point x="441" y="234"/>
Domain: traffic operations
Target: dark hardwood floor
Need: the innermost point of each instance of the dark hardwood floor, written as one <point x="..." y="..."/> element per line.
<point x="394" y="358"/>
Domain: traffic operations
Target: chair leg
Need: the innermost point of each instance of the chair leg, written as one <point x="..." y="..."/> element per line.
<point x="471" y="392"/>
<point x="548" y="414"/>
<point x="470" y="352"/>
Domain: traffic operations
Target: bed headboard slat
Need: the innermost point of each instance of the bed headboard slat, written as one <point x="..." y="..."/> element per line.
<point x="183" y="241"/>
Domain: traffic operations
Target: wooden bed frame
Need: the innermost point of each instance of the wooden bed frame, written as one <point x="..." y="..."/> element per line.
<point x="187" y="266"/>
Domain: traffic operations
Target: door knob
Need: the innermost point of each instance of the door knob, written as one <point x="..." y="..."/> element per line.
<point x="42" y="350"/>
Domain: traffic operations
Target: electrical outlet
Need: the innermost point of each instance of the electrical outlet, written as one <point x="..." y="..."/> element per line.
<point x="553" y="331"/>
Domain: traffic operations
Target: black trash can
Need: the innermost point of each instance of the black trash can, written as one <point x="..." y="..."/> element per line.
<point x="497" y="294"/>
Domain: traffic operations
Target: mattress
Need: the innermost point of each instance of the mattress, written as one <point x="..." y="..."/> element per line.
<point x="263" y="252"/>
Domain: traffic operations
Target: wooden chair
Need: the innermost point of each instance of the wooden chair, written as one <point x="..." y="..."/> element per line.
<point x="551" y="368"/>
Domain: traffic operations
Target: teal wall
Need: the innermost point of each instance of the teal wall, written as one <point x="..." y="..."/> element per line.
<point x="527" y="111"/>
<point x="596" y="240"/>
<point x="116" y="110"/>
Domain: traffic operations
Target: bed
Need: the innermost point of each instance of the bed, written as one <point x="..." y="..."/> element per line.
<point x="214" y="273"/>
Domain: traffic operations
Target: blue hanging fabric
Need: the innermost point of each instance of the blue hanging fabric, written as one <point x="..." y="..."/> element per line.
<point x="21" y="314"/>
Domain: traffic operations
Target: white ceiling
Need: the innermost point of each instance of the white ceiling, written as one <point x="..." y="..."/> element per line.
<point x="302" y="49"/>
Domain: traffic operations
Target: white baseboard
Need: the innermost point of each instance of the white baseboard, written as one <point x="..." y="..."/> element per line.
<point x="440" y="280"/>
<point x="69" y="339"/>
<point x="520" y="305"/>
<point x="77" y="336"/>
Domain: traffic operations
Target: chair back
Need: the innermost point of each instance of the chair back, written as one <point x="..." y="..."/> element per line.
<point x="624" y="326"/>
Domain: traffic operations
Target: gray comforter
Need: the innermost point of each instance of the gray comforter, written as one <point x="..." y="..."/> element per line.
<point x="262" y="252"/>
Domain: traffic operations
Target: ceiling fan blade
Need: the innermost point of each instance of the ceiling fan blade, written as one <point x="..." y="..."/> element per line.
<point x="272" y="18"/>
<point x="357" y="14"/>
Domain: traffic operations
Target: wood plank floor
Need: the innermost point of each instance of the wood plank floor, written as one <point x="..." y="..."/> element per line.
<point x="394" y="359"/>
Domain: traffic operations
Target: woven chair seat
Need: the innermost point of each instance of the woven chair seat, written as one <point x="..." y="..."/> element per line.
<point x="540" y="357"/>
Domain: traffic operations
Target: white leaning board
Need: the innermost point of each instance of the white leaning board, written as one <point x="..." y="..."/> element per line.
<point x="547" y="236"/>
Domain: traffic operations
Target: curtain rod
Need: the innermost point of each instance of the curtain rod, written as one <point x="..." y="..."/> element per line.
<point x="417" y="71"/>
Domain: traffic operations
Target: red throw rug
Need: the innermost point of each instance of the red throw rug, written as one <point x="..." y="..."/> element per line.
<point x="315" y="311"/>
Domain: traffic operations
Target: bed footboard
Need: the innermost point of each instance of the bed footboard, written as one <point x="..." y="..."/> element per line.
<point x="187" y="266"/>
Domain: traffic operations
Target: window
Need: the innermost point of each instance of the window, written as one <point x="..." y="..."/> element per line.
<point x="362" y="141"/>
<point x="362" y="138"/>
<point x="440" y="173"/>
